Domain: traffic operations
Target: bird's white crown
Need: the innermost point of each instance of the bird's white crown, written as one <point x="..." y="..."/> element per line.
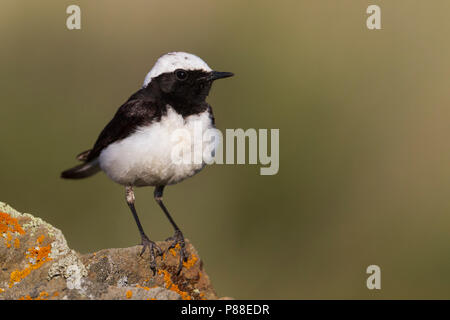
<point x="175" y="60"/>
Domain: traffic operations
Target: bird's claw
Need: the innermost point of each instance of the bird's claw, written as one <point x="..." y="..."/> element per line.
<point x="154" y="250"/>
<point x="178" y="239"/>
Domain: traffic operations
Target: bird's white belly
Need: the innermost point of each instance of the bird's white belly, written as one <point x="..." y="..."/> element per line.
<point x="146" y="157"/>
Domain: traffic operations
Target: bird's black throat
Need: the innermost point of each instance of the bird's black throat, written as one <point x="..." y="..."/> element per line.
<point x="186" y="97"/>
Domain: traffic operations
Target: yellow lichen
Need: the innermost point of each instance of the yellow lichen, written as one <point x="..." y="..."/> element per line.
<point x="38" y="256"/>
<point x="129" y="294"/>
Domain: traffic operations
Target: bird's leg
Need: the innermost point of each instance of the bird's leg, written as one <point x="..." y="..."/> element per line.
<point x="146" y="242"/>
<point x="178" y="237"/>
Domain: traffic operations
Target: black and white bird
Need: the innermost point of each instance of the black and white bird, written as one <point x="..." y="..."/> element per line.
<point x="135" y="147"/>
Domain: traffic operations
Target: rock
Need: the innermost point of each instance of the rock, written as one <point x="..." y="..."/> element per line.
<point x="36" y="263"/>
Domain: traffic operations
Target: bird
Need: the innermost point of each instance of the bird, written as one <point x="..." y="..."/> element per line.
<point x="135" y="148"/>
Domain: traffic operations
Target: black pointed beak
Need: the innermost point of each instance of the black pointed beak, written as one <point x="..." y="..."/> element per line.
<point x="220" y="75"/>
<point x="214" y="75"/>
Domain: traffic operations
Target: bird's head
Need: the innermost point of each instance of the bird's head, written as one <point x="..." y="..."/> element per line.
<point x="183" y="77"/>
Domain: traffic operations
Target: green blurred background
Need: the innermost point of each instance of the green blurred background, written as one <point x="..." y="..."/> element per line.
<point x="364" y="137"/>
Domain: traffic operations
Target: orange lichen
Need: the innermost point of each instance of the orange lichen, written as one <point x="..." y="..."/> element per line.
<point x="38" y="256"/>
<point x="40" y="239"/>
<point x="167" y="278"/>
<point x="143" y="287"/>
<point x="172" y="286"/>
<point x="18" y="275"/>
<point x="190" y="263"/>
<point x="173" y="252"/>
<point x="147" y="289"/>
<point x="184" y="295"/>
<point x="17" y="243"/>
<point x="2" y="290"/>
<point x="56" y="294"/>
<point x="8" y="239"/>
<point x="129" y="294"/>
<point x="187" y="264"/>
<point x="42" y="296"/>
<point x="7" y="223"/>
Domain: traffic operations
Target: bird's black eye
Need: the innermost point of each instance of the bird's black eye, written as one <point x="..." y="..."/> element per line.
<point x="181" y="74"/>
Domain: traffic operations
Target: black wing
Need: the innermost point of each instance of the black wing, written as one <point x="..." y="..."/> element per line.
<point x="134" y="113"/>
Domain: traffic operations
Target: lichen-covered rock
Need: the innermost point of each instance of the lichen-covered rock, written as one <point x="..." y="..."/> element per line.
<point x="36" y="263"/>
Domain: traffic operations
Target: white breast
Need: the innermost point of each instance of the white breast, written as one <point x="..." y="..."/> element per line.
<point x="145" y="158"/>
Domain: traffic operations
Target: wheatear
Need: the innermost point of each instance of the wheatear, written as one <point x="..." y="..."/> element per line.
<point x="135" y="148"/>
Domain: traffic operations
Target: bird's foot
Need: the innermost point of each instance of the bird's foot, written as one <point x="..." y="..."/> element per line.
<point x="155" y="251"/>
<point x="178" y="239"/>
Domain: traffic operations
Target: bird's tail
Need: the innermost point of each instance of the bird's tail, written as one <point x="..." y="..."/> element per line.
<point x="82" y="171"/>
